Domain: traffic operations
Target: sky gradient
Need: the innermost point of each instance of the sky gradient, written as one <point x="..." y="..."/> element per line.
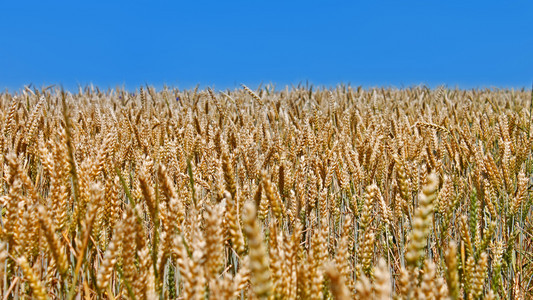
<point x="225" y="43"/>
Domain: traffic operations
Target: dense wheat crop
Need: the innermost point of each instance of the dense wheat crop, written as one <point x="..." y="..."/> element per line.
<point x="293" y="194"/>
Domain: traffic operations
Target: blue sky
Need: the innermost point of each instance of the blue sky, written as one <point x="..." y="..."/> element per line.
<point x="225" y="43"/>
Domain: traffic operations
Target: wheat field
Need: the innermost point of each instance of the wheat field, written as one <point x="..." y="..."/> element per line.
<point x="298" y="193"/>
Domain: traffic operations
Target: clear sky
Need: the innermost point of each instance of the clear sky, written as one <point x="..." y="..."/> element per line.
<point x="225" y="43"/>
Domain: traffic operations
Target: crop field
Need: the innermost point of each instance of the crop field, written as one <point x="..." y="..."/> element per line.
<point x="295" y="193"/>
